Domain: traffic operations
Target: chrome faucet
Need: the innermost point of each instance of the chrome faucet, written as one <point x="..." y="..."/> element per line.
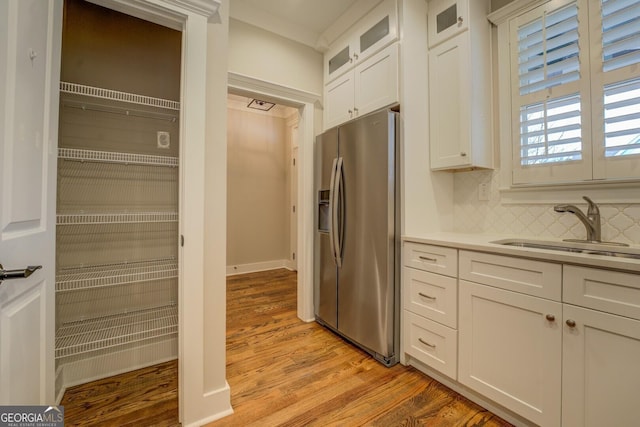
<point x="591" y="220"/>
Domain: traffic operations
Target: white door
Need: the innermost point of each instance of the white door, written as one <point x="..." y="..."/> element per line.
<point x="30" y="32"/>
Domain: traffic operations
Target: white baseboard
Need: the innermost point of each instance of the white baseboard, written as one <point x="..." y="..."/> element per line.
<point x="218" y="405"/>
<point x="259" y="266"/>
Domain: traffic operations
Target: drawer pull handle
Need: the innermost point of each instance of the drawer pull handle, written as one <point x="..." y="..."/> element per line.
<point x="426" y="343"/>
<point x="426" y="258"/>
<point x="571" y="323"/>
<point x="426" y="296"/>
<point x="551" y="317"/>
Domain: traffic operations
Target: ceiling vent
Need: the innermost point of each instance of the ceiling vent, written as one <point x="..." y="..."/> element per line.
<point x="260" y="105"/>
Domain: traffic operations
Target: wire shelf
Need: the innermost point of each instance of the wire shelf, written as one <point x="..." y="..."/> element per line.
<point x="117" y="218"/>
<point x="93" y="277"/>
<point x="90" y="335"/>
<point x="115" y="95"/>
<point x="114" y="157"/>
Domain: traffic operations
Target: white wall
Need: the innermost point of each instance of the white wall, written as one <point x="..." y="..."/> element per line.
<point x="266" y="56"/>
<point x="258" y="194"/>
<point x="427" y="196"/>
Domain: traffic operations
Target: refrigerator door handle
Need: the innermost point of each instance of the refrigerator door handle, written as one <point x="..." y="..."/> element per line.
<point x="338" y="212"/>
<point x="332" y="207"/>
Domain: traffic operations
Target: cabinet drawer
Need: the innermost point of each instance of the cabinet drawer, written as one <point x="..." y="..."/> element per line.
<point x="537" y="278"/>
<point x="436" y="259"/>
<point x="610" y="291"/>
<point x="433" y="296"/>
<point x="431" y="343"/>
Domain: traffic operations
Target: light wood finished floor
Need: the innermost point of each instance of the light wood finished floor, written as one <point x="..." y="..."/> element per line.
<point x="282" y="372"/>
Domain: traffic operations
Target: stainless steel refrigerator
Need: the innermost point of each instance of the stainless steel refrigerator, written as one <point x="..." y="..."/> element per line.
<point x="356" y="289"/>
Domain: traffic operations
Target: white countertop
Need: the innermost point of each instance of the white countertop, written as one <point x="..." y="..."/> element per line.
<point x="482" y="242"/>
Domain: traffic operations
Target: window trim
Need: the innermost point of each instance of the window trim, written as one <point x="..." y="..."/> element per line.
<point x="612" y="190"/>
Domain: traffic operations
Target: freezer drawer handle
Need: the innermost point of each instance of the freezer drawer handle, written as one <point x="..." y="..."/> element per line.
<point x="427" y="296"/>
<point x="424" y="258"/>
<point x="426" y="343"/>
<point x="17" y="274"/>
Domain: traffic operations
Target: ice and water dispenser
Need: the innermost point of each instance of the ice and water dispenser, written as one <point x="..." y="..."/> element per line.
<point x="324" y="212"/>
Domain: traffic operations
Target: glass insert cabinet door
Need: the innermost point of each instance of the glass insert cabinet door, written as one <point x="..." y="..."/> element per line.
<point x="446" y="19"/>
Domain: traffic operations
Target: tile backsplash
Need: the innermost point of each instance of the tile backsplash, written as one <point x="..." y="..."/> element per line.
<point x="620" y="222"/>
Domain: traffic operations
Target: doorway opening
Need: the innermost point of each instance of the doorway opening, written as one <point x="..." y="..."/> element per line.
<point x="262" y="182"/>
<point x="118" y="196"/>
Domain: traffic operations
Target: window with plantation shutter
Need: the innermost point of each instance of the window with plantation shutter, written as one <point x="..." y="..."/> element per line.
<point x="619" y="77"/>
<point x="574" y="91"/>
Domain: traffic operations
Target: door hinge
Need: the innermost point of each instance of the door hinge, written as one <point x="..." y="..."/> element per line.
<point x="294" y="208"/>
<point x="294" y="161"/>
<point x="294" y="256"/>
<point x="181" y="240"/>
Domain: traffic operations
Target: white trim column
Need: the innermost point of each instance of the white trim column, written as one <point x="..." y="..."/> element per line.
<point x="204" y="394"/>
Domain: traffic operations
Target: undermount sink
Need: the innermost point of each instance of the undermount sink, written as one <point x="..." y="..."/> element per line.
<point x="604" y="248"/>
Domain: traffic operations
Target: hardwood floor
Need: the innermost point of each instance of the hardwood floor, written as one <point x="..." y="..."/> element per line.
<point x="144" y="397"/>
<point x="282" y="372"/>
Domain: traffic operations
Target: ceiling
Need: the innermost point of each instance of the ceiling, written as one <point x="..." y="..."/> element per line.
<point x="238" y="102"/>
<point x="301" y="20"/>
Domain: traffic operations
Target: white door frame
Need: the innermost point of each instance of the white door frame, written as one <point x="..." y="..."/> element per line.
<point x="306" y="103"/>
<point x="200" y="400"/>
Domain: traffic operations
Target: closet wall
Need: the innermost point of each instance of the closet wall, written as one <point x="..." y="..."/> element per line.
<point x="117" y="199"/>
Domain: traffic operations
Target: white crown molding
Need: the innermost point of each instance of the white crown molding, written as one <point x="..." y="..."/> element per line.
<point x="206" y="8"/>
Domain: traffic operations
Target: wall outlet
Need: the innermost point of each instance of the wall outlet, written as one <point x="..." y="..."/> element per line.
<point x="483" y="192"/>
<point x="164" y="139"/>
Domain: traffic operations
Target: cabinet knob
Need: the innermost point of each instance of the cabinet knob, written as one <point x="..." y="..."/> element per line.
<point x="460" y="20"/>
<point x="463" y="154"/>
<point x="355" y="56"/>
<point x="571" y="323"/>
<point x="551" y="317"/>
<point x="350" y="113"/>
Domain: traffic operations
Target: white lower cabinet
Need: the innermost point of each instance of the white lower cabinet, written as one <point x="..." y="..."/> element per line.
<point x="600" y="368"/>
<point x="510" y="350"/>
<point x="556" y="344"/>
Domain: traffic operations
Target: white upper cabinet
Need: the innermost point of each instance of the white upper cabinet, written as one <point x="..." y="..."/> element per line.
<point x="460" y="86"/>
<point x="446" y="19"/>
<point x="371" y="85"/>
<point x="374" y="31"/>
